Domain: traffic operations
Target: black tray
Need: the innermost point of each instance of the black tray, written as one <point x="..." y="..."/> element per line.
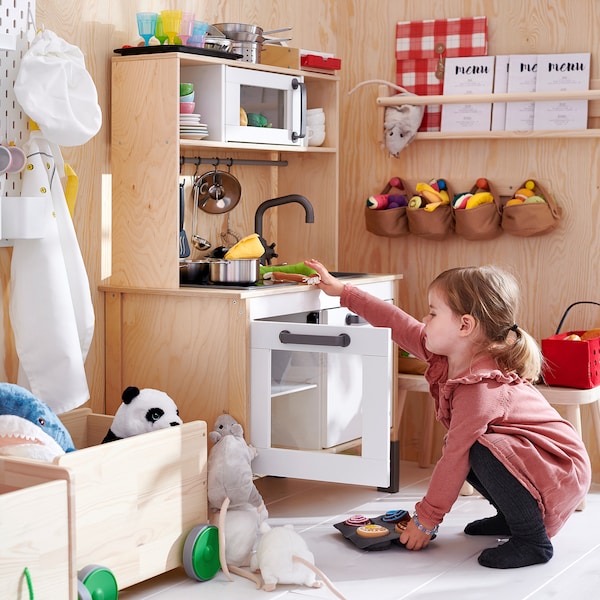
<point x="134" y="50"/>
<point x="374" y="543"/>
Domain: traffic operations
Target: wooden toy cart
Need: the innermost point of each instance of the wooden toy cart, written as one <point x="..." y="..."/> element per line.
<point x="36" y="536"/>
<point x="139" y="505"/>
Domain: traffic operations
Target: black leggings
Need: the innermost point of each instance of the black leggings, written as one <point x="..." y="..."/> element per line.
<point x="513" y="501"/>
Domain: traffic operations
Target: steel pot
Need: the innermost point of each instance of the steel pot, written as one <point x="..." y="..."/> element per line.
<point x="239" y="271"/>
<point x="193" y="271"/>
<point x="218" y="43"/>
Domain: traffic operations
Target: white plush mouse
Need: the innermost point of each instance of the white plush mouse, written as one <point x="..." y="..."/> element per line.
<point x="282" y="556"/>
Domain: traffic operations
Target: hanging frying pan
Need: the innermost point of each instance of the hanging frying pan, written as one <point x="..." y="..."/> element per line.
<point x="219" y="192"/>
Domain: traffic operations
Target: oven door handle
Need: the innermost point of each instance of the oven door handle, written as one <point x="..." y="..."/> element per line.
<point x="343" y="339"/>
<point x="295" y="85"/>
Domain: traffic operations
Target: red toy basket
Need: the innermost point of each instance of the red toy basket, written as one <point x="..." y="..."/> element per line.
<point x="571" y="363"/>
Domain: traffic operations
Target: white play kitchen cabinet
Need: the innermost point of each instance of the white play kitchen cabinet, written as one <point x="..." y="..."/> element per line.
<point x="277" y="358"/>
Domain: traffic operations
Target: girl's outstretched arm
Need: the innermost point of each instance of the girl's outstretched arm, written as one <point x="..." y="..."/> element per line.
<point x="329" y="284"/>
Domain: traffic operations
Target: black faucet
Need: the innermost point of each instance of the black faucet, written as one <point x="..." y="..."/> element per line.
<point x="260" y="211"/>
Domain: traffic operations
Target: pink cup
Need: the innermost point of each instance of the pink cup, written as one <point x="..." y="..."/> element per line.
<point x="5" y="160"/>
<point x="18" y="159"/>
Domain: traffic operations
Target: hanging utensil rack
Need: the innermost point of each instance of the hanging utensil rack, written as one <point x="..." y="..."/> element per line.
<point x="197" y="160"/>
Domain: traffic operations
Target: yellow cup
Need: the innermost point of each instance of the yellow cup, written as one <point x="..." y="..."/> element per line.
<point x="171" y="19"/>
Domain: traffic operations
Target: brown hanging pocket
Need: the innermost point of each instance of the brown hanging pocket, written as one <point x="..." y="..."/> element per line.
<point x="436" y="224"/>
<point x="391" y="222"/>
<point x="529" y="218"/>
<point x="431" y="225"/>
<point x="480" y="222"/>
<point x="388" y="222"/>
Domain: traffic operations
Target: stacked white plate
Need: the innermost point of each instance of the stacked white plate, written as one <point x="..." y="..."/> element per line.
<point x="191" y="128"/>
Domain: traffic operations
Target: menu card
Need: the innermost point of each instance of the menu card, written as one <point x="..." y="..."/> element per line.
<point x="522" y="76"/>
<point x="500" y="87"/>
<point x="468" y="75"/>
<point x="559" y="73"/>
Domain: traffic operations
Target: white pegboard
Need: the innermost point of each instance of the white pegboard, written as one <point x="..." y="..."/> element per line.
<point x="16" y="28"/>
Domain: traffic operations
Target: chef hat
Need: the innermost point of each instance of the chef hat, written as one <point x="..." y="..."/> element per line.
<point x="55" y="90"/>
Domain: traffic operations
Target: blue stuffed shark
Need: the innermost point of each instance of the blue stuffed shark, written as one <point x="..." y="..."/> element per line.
<point x="28" y="427"/>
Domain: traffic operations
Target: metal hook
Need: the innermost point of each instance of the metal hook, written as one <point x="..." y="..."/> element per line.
<point x="229" y="164"/>
<point x="196" y="169"/>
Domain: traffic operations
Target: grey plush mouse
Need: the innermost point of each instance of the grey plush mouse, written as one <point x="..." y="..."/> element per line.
<point x="401" y="123"/>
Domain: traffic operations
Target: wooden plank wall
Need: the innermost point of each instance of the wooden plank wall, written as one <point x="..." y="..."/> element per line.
<point x="555" y="270"/>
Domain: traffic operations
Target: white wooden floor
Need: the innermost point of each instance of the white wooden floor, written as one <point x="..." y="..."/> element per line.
<point x="447" y="569"/>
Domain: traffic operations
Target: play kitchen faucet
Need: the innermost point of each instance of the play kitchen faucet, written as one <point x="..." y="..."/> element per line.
<point x="262" y="208"/>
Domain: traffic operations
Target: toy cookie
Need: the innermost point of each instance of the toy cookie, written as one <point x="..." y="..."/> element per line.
<point x="372" y="531"/>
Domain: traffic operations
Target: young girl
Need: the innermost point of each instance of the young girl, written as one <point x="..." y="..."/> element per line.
<point x="503" y="436"/>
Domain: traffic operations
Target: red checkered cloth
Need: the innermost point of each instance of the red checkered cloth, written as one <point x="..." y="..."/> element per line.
<point x="417" y="60"/>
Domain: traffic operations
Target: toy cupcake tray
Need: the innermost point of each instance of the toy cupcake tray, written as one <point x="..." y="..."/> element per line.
<point x="383" y="541"/>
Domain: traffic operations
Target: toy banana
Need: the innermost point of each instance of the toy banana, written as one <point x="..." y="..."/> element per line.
<point x="430" y="194"/>
<point x="478" y="199"/>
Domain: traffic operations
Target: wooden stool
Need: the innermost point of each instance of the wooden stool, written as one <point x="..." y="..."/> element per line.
<point x="417" y="383"/>
<point x="572" y="399"/>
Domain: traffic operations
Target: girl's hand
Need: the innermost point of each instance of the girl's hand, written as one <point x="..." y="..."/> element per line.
<point x="329" y="284"/>
<point x="413" y="538"/>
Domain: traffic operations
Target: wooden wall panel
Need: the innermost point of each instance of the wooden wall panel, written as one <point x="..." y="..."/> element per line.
<point x="555" y="269"/>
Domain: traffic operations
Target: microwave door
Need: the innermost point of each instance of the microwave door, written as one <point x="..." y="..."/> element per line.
<point x="275" y="106"/>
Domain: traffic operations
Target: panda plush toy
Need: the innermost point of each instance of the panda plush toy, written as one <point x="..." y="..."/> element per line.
<point x="142" y="411"/>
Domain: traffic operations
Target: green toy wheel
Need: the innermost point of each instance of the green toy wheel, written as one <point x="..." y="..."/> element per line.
<point x="82" y="592"/>
<point x="201" y="553"/>
<point x="99" y="582"/>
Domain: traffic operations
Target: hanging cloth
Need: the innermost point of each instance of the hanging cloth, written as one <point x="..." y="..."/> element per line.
<point x="51" y="309"/>
<point x="55" y="90"/>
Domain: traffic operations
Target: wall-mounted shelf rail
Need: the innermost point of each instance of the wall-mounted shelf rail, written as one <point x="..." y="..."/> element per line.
<point x="592" y="95"/>
<point x="481" y="98"/>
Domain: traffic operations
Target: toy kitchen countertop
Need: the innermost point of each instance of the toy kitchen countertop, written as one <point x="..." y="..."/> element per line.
<point x="252" y="290"/>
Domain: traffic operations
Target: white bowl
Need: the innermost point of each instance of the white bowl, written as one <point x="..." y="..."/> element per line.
<point x="315" y="122"/>
<point x="316" y="135"/>
<point x="316" y="119"/>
